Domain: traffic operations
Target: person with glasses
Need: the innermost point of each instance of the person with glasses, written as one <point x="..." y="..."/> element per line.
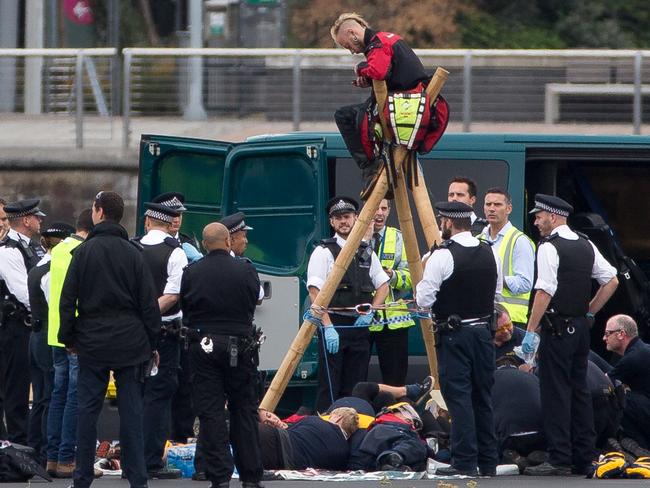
<point x="506" y="336"/>
<point x="564" y="308"/>
<point x="18" y="254"/>
<point x="621" y="336"/>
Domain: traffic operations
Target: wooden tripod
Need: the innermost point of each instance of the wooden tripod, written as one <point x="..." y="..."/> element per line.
<point x="425" y="211"/>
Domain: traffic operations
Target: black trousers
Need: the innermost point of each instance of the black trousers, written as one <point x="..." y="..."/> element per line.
<point x="567" y="415"/>
<point x="158" y="393"/>
<point x="182" y="409"/>
<point x="91" y="390"/>
<point x="636" y="418"/>
<point x="393" y="354"/>
<point x="344" y="369"/>
<point x="214" y="382"/>
<point x="466" y="369"/>
<point x="41" y="371"/>
<point x="348" y="120"/>
<point x="14" y="375"/>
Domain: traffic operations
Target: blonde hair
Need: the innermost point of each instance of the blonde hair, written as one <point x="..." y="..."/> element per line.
<point x="348" y="419"/>
<point x="336" y="26"/>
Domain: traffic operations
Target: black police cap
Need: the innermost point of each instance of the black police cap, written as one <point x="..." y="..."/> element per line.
<point x="171" y="199"/>
<point x="552" y="204"/>
<point x="23" y="208"/>
<point x="161" y="212"/>
<point x="58" y="229"/>
<point x="340" y="205"/>
<point x="235" y="222"/>
<point x="454" y="210"/>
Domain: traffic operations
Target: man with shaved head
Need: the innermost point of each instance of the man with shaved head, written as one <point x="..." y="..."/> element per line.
<point x="218" y="298"/>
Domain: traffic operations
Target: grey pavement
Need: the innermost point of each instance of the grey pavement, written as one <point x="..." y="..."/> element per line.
<point x="501" y="481"/>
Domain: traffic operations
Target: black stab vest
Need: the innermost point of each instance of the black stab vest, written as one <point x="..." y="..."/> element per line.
<point x="573" y="275"/>
<point x="157" y="256"/>
<point x="469" y="291"/>
<point x="37" y="300"/>
<point x="356" y="285"/>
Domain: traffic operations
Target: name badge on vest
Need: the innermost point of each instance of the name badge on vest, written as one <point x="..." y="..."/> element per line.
<point x="388" y="256"/>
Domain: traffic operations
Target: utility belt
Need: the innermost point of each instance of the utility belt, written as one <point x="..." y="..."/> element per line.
<point x="558" y="324"/>
<point x="172" y="329"/>
<point x="236" y="345"/>
<point x="455" y="322"/>
<point x="12" y="309"/>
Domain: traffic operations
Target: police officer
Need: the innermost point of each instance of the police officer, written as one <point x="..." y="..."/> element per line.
<point x="563" y="307"/>
<point x="176" y="201"/>
<point x="459" y="283"/>
<point x="40" y="354"/>
<point x="391" y="339"/>
<point x="516" y="252"/>
<point x="165" y="259"/>
<point x="343" y="355"/>
<point x="218" y="299"/>
<point x="18" y="254"/>
<point x="238" y="229"/>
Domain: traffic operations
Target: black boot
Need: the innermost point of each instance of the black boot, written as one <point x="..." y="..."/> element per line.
<point x="369" y="174"/>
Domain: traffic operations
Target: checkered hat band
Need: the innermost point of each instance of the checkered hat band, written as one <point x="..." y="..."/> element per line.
<point x="154" y="214"/>
<point x="24" y="213"/>
<point x="455" y="215"/>
<point x="342" y="205"/>
<point x="174" y="202"/>
<point x="548" y="208"/>
<point x="239" y="226"/>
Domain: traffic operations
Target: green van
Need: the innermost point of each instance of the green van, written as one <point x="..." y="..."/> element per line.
<point x="282" y="183"/>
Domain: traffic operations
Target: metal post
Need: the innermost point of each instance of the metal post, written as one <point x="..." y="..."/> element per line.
<point x="79" y="91"/>
<point x="297" y="75"/>
<point x="114" y="41"/>
<point x="636" y="106"/>
<point x="126" y="100"/>
<point x="34" y="30"/>
<point x="194" y="110"/>
<point x="467" y="92"/>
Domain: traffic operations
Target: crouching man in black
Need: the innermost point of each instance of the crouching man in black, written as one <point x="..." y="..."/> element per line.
<point x="218" y="297"/>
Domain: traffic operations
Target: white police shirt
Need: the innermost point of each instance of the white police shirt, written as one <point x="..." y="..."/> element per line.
<point x="321" y="263"/>
<point x="45" y="279"/>
<point x="12" y="269"/>
<point x="548" y="262"/>
<point x="177" y="261"/>
<point x="440" y="266"/>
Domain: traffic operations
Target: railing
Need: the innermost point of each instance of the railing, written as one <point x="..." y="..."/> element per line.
<point x="305" y="85"/>
<point x="52" y="81"/>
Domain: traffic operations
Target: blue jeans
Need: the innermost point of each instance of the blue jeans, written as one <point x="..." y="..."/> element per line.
<point x="91" y="389"/>
<point x="62" y="417"/>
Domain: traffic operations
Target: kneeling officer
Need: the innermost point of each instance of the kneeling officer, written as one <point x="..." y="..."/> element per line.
<point x="218" y="298"/>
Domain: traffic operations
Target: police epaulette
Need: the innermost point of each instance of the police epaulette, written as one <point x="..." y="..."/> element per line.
<point x="244" y="258"/>
<point x="191" y="263"/>
<point x="171" y="242"/>
<point x="581" y="234"/>
<point x="549" y="238"/>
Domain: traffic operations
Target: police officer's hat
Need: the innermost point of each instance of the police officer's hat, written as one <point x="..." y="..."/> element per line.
<point x="552" y="204"/>
<point x="58" y="229"/>
<point x="171" y="199"/>
<point x="340" y="205"/>
<point x="235" y="222"/>
<point x="23" y="208"/>
<point x="454" y="210"/>
<point x="161" y="212"/>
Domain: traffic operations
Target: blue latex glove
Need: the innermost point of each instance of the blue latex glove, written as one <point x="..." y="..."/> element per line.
<point x="364" y="320"/>
<point x="331" y="339"/>
<point x="528" y="344"/>
<point x="191" y="252"/>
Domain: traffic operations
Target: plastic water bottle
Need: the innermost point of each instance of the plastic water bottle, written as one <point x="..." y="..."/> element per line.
<point x="529" y="358"/>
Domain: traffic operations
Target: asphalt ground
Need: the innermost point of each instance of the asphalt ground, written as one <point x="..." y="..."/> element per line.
<point x="501" y="481"/>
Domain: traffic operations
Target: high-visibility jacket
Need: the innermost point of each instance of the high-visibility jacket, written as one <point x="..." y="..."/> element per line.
<point x="516" y="305"/>
<point x="391" y="246"/>
<point x="61" y="257"/>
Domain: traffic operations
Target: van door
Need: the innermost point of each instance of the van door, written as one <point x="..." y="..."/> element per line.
<point x="192" y="167"/>
<point x="278" y="186"/>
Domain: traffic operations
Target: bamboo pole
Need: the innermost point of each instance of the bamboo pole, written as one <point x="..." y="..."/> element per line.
<point x="307" y="329"/>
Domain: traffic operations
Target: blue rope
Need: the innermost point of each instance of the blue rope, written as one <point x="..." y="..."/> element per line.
<point x="327" y="365"/>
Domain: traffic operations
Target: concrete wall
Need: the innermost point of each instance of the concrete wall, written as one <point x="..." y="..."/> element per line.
<point x="64" y="192"/>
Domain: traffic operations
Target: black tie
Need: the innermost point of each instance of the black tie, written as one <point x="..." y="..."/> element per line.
<point x="377" y="240"/>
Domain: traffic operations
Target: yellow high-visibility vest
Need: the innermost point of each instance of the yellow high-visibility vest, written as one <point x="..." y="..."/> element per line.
<point x="387" y="253"/>
<point x="61" y="257"/>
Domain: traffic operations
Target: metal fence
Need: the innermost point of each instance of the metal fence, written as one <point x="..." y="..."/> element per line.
<point x="58" y="81"/>
<point x="301" y="85"/>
